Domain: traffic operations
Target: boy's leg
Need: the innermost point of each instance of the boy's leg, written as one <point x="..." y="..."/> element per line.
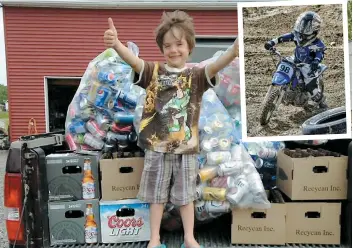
<point x="183" y="193"/>
<point x="154" y="189"/>
<point x="156" y="213"/>
<point x="316" y="96"/>
<point x="187" y="215"/>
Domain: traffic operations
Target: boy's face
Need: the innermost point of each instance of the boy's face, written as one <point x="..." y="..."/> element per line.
<point x="175" y="48"/>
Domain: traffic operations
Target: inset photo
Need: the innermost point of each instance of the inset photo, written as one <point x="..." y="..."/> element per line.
<point x="294" y="70"/>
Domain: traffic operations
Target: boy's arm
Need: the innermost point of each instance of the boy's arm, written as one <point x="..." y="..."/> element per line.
<point x="111" y="41"/>
<point x="283" y="38"/>
<point x="224" y="60"/>
<point x="319" y="48"/>
<point x="135" y="62"/>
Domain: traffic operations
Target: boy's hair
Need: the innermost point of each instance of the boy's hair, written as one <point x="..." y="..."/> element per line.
<point x="180" y="20"/>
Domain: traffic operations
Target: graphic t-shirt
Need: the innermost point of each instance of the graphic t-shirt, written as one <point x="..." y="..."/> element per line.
<point x="171" y="111"/>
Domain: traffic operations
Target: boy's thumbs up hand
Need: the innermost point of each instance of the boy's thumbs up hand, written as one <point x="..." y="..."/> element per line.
<point x="110" y="35"/>
<point x="111" y="24"/>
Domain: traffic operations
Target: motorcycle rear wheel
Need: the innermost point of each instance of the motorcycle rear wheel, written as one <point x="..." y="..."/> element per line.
<point x="269" y="106"/>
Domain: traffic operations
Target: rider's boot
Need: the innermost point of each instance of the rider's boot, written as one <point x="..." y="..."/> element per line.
<point x="317" y="102"/>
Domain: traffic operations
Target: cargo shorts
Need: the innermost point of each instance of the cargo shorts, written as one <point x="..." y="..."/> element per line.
<point x="169" y="177"/>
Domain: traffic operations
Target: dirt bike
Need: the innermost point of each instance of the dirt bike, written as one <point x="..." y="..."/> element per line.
<point x="287" y="86"/>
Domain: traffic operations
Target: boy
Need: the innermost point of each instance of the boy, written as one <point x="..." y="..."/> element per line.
<point x="169" y="125"/>
<point x="310" y="50"/>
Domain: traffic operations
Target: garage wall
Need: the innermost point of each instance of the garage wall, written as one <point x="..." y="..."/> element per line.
<point x="61" y="42"/>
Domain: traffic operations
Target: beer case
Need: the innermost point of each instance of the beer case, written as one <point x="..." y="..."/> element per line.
<point x="312" y="178"/>
<point x="124" y="221"/>
<point x="67" y="222"/>
<point x="65" y="173"/>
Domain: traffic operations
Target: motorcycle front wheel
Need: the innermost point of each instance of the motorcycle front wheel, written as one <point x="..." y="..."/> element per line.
<point x="269" y="105"/>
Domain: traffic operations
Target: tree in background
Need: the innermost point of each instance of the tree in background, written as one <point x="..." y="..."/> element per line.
<point x="3" y="93"/>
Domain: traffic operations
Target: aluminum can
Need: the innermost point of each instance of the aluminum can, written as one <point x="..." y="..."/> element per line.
<point x="102" y="97"/>
<point x="103" y="121"/>
<point x="200" y="211"/>
<point x="77" y="127"/>
<point x="106" y="77"/>
<point x="120" y="129"/>
<point x="207" y="173"/>
<point x="127" y="98"/>
<point x="215" y="158"/>
<point x="123" y="118"/>
<point x="94" y="129"/>
<point x="71" y="142"/>
<point x="214" y="194"/>
<point x="93" y="142"/>
<point x="217" y="207"/>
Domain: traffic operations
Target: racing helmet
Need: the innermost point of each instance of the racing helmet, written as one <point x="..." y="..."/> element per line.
<point x="307" y="27"/>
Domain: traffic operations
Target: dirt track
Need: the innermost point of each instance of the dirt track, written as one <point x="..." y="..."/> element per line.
<point x="263" y="24"/>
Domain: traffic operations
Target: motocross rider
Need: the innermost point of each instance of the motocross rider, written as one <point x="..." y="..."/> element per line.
<point x="309" y="50"/>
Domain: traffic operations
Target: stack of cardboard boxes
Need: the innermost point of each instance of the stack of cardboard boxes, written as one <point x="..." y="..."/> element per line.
<point x="93" y="200"/>
<point x="123" y="217"/>
<point x="74" y="193"/>
<point x="313" y="188"/>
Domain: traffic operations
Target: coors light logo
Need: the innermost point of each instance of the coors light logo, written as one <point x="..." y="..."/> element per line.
<point x="125" y="226"/>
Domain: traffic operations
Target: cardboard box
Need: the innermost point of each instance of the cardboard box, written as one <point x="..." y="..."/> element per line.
<point x="67" y="221"/>
<point x="313" y="223"/>
<point x="312" y="178"/>
<point x="120" y="178"/>
<point x="65" y="173"/>
<point x="125" y="221"/>
<point x="259" y="226"/>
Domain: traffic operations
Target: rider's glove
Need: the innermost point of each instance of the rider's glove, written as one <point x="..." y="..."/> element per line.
<point x="314" y="65"/>
<point x="269" y="44"/>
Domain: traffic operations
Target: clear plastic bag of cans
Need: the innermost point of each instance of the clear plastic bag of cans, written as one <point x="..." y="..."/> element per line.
<point x="102" y="111"/>
<point x="228" y="89"/>
<point x="229" y="180"/>
<point x="216" y="127"/>
<point x="138" y="111"/>
<point x="227" y="177"/>
<point x="264" y="155"/>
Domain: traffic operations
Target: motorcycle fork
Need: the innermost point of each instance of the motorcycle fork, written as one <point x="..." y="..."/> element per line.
<point x="278" y="102"/>
<point x="268" y="94"/>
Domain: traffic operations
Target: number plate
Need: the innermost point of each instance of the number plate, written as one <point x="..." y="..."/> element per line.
<point x="286" y="69"/>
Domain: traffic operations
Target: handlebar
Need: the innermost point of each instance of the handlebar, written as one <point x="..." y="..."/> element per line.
<point x="274" y="51"/>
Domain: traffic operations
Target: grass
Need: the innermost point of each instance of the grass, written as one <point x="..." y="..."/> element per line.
<point x="4" y="115"/>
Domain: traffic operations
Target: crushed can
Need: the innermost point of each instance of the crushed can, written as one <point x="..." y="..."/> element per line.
<point x="214" y="194"/>
<point x="77" y="126"/>
<point x="116" y="128"/>
<point x="215" y="158"/>
<point x="94" y="129"/>
<point x="103" y="121"/>
<point x="93" y="142"/>
<point x="207" y="173"/>
<point x="217" y="207"/>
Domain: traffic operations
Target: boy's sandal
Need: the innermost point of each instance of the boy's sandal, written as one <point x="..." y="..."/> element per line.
<point x="160" y="246"/>
<point x="183" y="246"/>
